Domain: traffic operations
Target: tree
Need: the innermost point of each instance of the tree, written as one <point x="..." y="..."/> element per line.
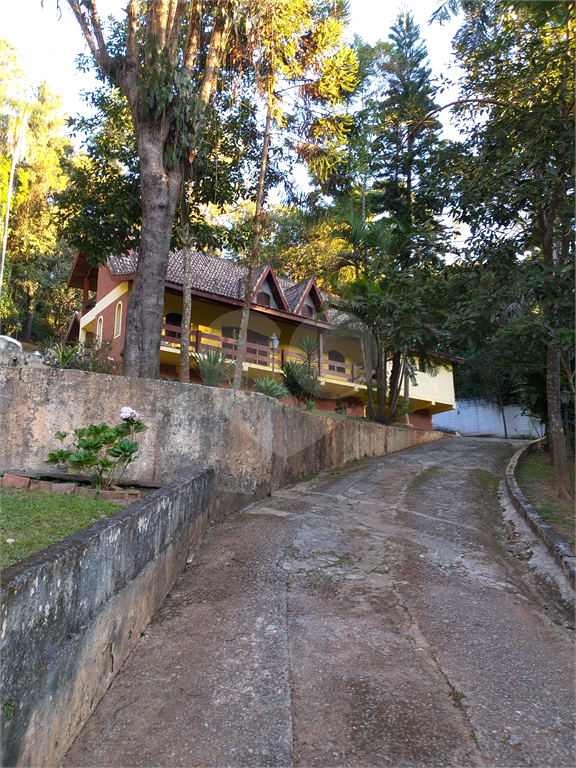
<point x="401" y="311"/>
<point x="518" y="188"/>
<point x="35" y="254"/>
<point x="166" y="59"/>
<point x="296" y="44"/>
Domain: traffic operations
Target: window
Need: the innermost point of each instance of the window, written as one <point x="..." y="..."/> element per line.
<point x="263" y="298"/>
<point x="336" y="357"/>
<point x="99" y="331"/>
<point x="229" y="332"/>
<point x="118" y="320"/>
<point x="175" y="320"/>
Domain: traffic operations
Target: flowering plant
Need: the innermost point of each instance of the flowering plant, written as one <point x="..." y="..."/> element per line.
<point x="101" y="453"/>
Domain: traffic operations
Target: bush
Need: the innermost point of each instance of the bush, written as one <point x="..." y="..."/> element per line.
<point x="271" y="388"/>
<point x="301" y="381"/>
<point x="88" y="356"/>
<point x="213" y="366"/>
<point x="101" y="453"/>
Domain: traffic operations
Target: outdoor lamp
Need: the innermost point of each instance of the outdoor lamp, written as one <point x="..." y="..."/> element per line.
<point x="274" y="341"/>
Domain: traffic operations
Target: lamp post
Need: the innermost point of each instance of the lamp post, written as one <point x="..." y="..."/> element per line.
<point x="274" y="341"/>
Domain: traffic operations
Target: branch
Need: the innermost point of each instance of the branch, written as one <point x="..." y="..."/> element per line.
<point x="192" y="43"/>
<point x="92" y="31"/>
<point x="218" y="40"/>
<point x="177" y="8"/>
<point x="131" y="45"/>
<point x="464" y="101"/>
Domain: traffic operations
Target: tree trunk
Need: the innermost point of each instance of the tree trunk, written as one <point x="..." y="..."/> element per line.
<point x="556" y="431"/>
<point x="31" y="312"/>
<point x="406" y="397"/>
<point x="394" y="387"/>
<point x="186" y="243"/>
<point x="254" y="254"/>
<point x="381" y="383"/>
<point x="368" y="367"/>
<point x="159" y="192"/>
<point x="503" y="414"/>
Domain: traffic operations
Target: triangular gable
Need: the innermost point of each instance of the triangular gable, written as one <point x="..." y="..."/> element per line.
<point x="268" y="275"/>
<point x="80" y="271"/>
<point x="313" y="291"/>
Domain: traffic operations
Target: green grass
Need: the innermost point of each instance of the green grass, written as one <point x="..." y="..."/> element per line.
<point x="35" y="520"/>
<point x="536" y="479"/>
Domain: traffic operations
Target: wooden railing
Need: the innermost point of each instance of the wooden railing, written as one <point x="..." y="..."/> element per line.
<point x="257" y="354"/>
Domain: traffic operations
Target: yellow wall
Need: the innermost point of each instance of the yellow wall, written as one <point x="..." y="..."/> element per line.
<point x="436" y="393"/>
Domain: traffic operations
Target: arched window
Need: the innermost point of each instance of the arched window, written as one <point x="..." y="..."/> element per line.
<point x="174" y="319"/>
<point x="99" y="331"/>
<point x="118" y="320"/>
<point x="336" y="357"/>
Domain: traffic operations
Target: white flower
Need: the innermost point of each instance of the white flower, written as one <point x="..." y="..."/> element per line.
<point x="9" y="541"/>
<point x="129" y="414"/>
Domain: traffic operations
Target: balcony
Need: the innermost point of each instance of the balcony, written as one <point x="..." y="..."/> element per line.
<point x="260" y="355"/>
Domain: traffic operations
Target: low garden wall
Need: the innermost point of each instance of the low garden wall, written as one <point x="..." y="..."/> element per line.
<point x="254" y="443"/>
<point x="72" y="614"/>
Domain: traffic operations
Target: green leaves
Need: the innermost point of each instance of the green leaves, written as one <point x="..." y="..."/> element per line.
<point x="99" y="452"/>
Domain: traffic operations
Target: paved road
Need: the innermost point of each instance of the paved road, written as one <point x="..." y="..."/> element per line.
<point x="366" y="617"/>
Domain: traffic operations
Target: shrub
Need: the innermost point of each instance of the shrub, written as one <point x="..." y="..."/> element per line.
<point x="301" y="381"/>
<point x="213" y="366"/>
<point x="88" y="356"/>
<point x="101" y="453"/>
<point x="271" y="388"/>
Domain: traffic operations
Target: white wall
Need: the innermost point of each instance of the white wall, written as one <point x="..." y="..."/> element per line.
<point x="475" y="417"/>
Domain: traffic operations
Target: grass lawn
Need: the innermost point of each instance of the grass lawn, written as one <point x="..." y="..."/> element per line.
<point x="536" y="479"/>
<point x="35" y="519"/>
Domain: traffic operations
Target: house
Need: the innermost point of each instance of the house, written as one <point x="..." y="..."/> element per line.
<point x="279" y="306"/>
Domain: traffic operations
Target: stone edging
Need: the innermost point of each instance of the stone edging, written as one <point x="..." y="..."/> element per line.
<point x="559" y="548"/>
<point x="22" y="482"/>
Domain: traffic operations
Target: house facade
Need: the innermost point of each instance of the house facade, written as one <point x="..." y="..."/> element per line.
<point x="280" y="308"/>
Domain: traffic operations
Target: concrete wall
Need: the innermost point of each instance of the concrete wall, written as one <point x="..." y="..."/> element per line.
<point x="475" y="417"/>
<point x="254" y="443"/>
<point x="72" y="614"/>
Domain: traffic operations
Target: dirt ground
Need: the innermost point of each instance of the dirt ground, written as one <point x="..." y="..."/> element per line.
<point x="536" y="479"/>
<point x="366" y="617"/>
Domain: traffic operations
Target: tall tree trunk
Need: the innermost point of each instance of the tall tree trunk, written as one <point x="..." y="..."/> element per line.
<point x="368" y="368"/>
<point x="503" y="414"/>
<point x="159" y="192"/>
<point x="406" y="397"/>
<point x="31" y="312"/>
<point x="186" y="243"/>
<point x="381" y="382"/>
<point x="254" y="254"/>
<point x="394" y="387"/>
<point x="556" y="431"/>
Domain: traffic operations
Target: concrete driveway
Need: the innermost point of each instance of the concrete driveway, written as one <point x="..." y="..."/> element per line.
<point x="366" y="617"/>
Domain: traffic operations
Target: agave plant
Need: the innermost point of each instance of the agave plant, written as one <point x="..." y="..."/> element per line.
<point x="271" y="388"/>
<point x="213" y="366"/>
<point x="300" y="381"/>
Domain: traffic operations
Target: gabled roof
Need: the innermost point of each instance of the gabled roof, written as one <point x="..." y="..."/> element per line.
<point x="223" y="277"/>
<point x="298" y="294"/>
<point x="267" y="274"/>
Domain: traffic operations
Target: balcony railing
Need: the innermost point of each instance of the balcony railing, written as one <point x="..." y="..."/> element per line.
<point x="258" y="354"/>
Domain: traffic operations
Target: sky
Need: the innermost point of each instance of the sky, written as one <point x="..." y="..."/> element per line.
<point x="49" y="42"/>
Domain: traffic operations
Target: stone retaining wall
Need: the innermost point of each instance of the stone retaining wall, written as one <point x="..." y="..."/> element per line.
<point x="559" y="548"/>
<point x="72" y="614"/>
<point x="254" y="443"/>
